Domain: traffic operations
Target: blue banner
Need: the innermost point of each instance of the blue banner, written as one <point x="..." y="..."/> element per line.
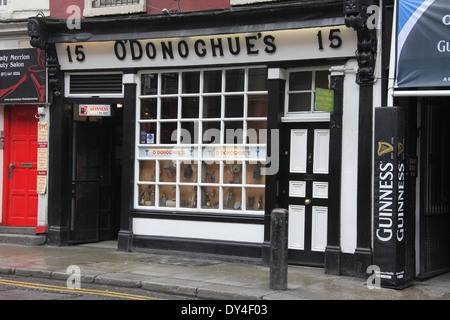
<point x="423" y="44"/>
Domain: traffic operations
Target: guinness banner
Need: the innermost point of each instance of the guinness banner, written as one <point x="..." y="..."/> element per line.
<point x="389" y="199"/>
<point x="423" y="43"/>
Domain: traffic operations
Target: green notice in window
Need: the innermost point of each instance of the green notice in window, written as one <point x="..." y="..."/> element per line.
<point x="324" y="100"/>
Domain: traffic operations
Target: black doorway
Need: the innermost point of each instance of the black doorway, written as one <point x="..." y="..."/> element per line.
<point x="95" y="177"/>
<point x="434" y="187"/>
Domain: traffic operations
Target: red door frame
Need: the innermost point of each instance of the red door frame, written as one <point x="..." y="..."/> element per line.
<point x="6" y="160"/>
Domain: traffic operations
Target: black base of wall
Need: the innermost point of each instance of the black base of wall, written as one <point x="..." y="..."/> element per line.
<point x="57" y="236"/>
<point x="124" y="241"/>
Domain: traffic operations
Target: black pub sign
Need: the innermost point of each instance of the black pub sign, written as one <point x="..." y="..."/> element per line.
<point x="22" y="76"/>
<point x="389" y="223"/>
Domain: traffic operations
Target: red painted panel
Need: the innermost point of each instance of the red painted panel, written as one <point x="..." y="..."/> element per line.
<point x="20" y="200"/>
<point x="58" y="8"/>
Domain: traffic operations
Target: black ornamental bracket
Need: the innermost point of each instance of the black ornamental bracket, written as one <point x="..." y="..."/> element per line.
<point x="38" y="33"/>
<point x="356" y="16"/>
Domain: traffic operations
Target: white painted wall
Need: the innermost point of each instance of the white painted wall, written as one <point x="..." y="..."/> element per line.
<point x="253" y="233"/>
<point x="23" y="9"/>
<point x="349" y="159"/>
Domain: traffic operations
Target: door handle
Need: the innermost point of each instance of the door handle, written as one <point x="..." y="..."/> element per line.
<point x="307" y="201"/>
<point x="10" y="171"/>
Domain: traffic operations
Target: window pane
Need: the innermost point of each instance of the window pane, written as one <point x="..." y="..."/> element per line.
<point x="188" y="171"/>
<point x="147" y="133"/>
<point x="299" y="102"/>
<point x="232" y="198"/>
<point x="189" y="107"/>
<point x="234" y="107"/>
<point x="188" y="196"/>
<point x="211" y="132"/>
<point x="167" y="171"/>
<point x="256" y="132"/>
<point x="234" y="132"/>
<point x="169" y="108"/>
<point x="210" y="198"/>
<point x="149" y="84"/>
<point x="257" y="79"/>
<point x="189" y="133"/>
<point x="149" y="108"/>
<point x="322" y="79"/>
<point x="167" y="195"/>
<point x="257" y="106"/>
<point x="147" y="170"/>
<point x="211" y="107"/>
<point x="232" y="172"/>
<point x="255" y="198"/>
<point x="210" y="172"/>
<point x="212" y="81"/>
<point x="169" y="83"/>
<point x="254" y="175"/>
<point x="146" y="195"/>
<point x="167" y="129"/>
<point x="300" y="81"/>
<point x="191" y="82"/>
<point x="235" y="80"/>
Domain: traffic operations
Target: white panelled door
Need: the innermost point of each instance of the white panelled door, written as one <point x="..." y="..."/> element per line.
<point x="304" y="189"/>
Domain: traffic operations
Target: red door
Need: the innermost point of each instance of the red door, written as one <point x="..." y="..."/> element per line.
<point x="20" y="200"/>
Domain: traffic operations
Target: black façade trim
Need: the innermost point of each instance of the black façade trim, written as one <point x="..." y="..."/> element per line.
<point x="199" y="216"/>
<point x="227" y="249"/>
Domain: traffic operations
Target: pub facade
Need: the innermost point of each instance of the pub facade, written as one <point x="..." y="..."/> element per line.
<point x="183" y="131"/>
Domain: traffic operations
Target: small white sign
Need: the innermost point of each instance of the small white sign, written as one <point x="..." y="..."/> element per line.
<point x="95" y="110"/>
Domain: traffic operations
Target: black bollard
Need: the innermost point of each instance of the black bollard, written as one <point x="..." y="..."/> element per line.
<point x="278" y="249"/>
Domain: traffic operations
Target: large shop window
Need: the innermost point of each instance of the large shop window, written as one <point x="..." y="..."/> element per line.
<point x="202" y="140"/>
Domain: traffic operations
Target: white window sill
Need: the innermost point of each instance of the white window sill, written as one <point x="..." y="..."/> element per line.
<point x="134" y="8"/>
<point x="242" y="2"/>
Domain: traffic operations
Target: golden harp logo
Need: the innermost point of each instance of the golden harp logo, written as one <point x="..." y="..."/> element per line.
<point x="400" y="149"/>
<point x="384" y="147"/>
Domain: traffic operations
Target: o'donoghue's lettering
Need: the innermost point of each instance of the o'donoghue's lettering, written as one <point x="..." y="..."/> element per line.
<point x="170" y="49"/>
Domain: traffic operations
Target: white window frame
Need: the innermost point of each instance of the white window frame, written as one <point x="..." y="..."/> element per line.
<point x="311" y="115"/>
<point x="242" y="2"/>
<point x="220" y="185"/>
<point x="90" y="11"/>
<point x="3" y="4"/>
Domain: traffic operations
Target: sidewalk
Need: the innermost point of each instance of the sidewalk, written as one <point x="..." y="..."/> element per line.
<point x="199" y="276"/>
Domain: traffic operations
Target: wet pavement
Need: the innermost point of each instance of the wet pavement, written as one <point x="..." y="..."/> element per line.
<point x="198" y="276"/>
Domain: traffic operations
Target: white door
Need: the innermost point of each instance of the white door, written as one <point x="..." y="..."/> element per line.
<point x="304" y="189"/>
